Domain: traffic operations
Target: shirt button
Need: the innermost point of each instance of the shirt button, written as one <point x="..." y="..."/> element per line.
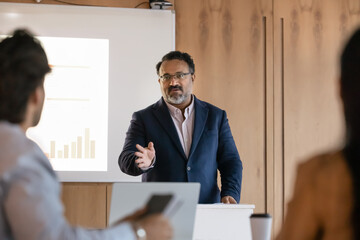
<point x="188" y="168"/>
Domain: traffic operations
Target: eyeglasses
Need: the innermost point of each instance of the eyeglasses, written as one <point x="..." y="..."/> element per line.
<point x="179" y="76"/>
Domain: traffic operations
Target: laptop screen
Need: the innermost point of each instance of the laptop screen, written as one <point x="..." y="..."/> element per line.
<point x="128" y="197"/>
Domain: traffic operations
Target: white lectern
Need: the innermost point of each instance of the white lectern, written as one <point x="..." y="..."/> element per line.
<point x="223" y="222"/>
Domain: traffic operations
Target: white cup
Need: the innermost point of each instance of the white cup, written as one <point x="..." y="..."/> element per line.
<point x="260" y="226"/>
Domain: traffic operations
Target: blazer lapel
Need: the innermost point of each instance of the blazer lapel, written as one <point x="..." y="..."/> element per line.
<point x="201" y="114"/>
<point x="162" y="114"/>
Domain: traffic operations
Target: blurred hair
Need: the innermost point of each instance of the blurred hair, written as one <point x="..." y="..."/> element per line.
<point x="350" y="92"/>
<point x="178" y="56"/>
<point x="23" y="66"/>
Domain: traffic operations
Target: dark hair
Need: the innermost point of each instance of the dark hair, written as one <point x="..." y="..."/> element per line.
<point x="179" y="56"/>
<point x="23" y="65"/>
<point x="350" y="91"/>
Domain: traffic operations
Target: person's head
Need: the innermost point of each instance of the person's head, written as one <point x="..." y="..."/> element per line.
<point x="23" y="66"/>
<point x="350" y="86"/>
<point x="350" y="94"/>
<point x="176" y="72"/>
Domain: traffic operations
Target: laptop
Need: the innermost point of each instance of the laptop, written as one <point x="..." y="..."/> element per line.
<point x="127" y="197"/>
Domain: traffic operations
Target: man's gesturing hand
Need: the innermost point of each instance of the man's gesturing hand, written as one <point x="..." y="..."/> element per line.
<point x="145" y="155"/>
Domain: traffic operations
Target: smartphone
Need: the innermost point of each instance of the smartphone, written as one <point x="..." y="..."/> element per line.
<point x="166" y="204"/>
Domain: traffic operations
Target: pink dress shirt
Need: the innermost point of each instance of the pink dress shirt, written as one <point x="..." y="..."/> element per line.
<point x="184" y="124"/>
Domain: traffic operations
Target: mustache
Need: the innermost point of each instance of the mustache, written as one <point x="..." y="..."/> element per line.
<point x="175" y="87"/>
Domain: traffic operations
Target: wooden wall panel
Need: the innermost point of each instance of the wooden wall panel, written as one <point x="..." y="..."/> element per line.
<point x="86" y="204"/>
<point x="308" y="37"/>
<point x="227" y="40"/>
<point x="108" y="201"/>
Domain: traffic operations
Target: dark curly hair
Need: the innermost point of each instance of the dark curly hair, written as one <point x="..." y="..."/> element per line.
<point x="23" y="66"/>
<point x="179" y="56"/>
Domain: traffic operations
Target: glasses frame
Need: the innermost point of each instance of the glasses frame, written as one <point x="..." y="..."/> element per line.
<point x="178" y="76"/>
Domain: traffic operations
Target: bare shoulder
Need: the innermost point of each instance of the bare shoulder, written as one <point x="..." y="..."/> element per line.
<point x="325" y="167"/>
<point x="324" y="162"/>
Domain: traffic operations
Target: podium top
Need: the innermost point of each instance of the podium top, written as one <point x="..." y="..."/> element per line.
<point x="225" y="206"/>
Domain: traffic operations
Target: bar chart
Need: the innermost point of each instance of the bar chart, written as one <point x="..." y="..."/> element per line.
<point x="81" y="148"/>
<point x="73" y="128"/>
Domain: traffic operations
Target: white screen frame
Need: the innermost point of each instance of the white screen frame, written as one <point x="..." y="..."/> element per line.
<point x="138" y="39"/>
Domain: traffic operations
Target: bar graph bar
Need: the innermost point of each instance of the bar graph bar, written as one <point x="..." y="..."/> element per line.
<point x="52" y="149"/>
<point x="73" y="149"/>
<point x="82" y="148"/>
<point x="79" y="147"/>
<point x="66" y="151"/>
<point x="87" y="142"/>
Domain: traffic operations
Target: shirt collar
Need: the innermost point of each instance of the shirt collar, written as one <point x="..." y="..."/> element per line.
<point x="188" y="110"/>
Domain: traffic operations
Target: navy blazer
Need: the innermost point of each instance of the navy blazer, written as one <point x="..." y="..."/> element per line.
<point x="212" y="148"/>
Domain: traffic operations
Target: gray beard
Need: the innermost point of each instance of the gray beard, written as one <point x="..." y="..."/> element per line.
<point x="176" y="100"/>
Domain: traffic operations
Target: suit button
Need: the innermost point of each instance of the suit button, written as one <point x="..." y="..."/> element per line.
<point x="188" y="168"/>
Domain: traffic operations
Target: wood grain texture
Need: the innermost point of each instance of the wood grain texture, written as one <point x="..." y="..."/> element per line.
<point x="227" y="41"/>
<point x="306" y="64"/>
<point x="86" y="204"/>
<point x="108" y="201"/>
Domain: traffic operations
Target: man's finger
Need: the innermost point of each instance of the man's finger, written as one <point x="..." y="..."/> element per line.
<point x="225" y="199"/>
<point x="140" y="148"/>
<point x="141" y="165"/>
<point x="232" y="200"/>
<point x="139" y="154"/>
<point x="228" y="200"/>
<point x="139" y="160"/>
<point x="151" y="146"/>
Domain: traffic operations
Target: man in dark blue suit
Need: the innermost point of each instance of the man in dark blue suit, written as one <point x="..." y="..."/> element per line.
<point x="183" y="139"/>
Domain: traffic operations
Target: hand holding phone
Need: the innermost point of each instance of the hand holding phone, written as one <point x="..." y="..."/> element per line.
<point x="166" y="204"/>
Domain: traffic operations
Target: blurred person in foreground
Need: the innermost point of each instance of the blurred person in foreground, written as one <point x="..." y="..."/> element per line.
<point x="326" y="201"/>
<point x="29" y="188"/>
